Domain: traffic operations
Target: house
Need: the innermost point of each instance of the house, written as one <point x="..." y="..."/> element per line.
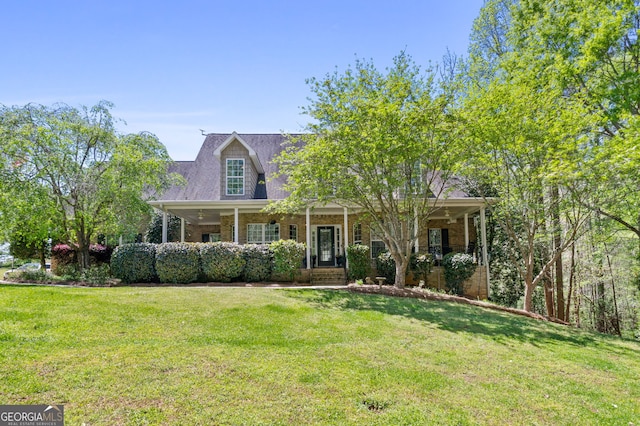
<point x="232" y="180"/>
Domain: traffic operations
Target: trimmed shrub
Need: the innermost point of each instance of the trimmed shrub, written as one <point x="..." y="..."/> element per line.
<point x="177" y="263"/>
<point x="221" y="261"/>
<point x="386" y="267"/>
<point x="134" y="262"/>
<point x="258" y="262"/>
<point x="358" y="261"/>
<point x="458" y="267"/>
<point x="287" y="257"/>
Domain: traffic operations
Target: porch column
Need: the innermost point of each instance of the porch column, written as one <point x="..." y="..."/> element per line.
<point x="466" y="231"/>
<point x="164" y="226"/>
<point x="308" y="229"/>
<point x="345" y="233"/>
<point x="485" y="256"/>
<point x="182" y="230"/>
<point x="236" y="226"/>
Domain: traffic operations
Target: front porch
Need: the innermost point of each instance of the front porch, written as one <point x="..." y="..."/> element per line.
<point x="458" y="225"/>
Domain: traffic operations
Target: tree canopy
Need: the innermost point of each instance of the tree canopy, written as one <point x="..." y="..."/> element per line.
<point x="380" y="143"/>
<point x="73" y="175"/>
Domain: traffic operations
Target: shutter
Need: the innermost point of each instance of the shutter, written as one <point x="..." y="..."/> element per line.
<point x="445" y="241"/>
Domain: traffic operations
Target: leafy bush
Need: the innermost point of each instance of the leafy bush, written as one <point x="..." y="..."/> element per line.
<point x="221" y="261"/>
<point x="97" y="275"/>
<point x="386" y="267"/>
<point x="135" y="262"/>
<point x="36" y="275"/>
<point x="69" y="272"/>
<point x="458" y="267"/>
<point x="420" y="264"/>
<point x="287" y="257"/>
<point x="258" y="262"/>
<point x="177" y="263"/>
<point x="358" y="261"/>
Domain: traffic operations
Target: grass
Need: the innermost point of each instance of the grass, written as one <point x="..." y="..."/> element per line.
<point x="138" y="356"/>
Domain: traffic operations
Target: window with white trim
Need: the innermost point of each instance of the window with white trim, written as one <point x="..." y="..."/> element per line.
<point x="259" y="233"/>
<point x="235" y="176"/>
<point x="357" y="233"/>
<point x="293" y="232"/>
<point x="377" y="245"/>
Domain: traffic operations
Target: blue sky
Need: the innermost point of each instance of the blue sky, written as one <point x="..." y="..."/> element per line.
<point x="174" y="67"/>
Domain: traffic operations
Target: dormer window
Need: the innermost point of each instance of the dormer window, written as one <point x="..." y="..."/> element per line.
<point x="235" y="176"/>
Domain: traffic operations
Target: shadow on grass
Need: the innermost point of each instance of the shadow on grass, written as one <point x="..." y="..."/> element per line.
<point x="500" y="327"/>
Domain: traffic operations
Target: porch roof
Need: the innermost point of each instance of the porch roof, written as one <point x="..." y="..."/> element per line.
<point x="208" y="212"/>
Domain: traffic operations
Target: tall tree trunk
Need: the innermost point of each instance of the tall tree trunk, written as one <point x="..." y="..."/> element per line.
<point x="572" y="270"/>
<point x="548" y="297"/>
<point x="557" y="243"/>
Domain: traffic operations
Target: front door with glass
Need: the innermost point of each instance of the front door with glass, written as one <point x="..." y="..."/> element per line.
<point x="326" y="246"/>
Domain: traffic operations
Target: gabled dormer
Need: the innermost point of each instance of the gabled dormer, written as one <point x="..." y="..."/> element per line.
<point x="240" y="169"/>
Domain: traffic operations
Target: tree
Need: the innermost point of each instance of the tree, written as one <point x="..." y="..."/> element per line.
<point x="88" y="177"/>
<point x="598" y="62"/>
<point x="153" y="234"/>
<point x="526" y="134"/>
<point x="378" y="142"/>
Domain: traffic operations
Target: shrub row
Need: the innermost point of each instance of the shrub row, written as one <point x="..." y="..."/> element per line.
<point x="183" y="263"/>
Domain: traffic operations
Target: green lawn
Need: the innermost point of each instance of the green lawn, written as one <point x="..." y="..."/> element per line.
<point x="189" y="356"/>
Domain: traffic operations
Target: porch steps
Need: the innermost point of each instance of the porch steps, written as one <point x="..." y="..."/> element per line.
<point x="328" y="276"/>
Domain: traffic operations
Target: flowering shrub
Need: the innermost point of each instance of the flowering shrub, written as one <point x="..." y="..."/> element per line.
<point x="420" y="264"/>
<point x="221" y="261"/>
<point x="458" y="267"/>
<point x="287" y="257"/>
<point x="177" y="263"/>
<point x="134" y="262"/>
<point x="386" y="267"/>
<point x="100" y="253"/>
<point x="358" y="261"/>
<point x="61" y="256"/>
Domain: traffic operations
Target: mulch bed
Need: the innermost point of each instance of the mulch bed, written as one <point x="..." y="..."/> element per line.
<point x="419" y="293"/>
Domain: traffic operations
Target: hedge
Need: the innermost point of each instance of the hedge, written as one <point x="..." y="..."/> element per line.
<point x="287" y="257"/>
<point x="177" y="263"/>
<point x="358" y="261"/>
<point x="135" y="262"/>
<point x="221" y="261"/>
<point x="258" y="262"/>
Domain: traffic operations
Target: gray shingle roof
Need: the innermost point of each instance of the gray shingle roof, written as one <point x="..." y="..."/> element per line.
<point x="203" y="175"/>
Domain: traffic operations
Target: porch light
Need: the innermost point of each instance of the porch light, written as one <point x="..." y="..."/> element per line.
<point x="200" y="215"/>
